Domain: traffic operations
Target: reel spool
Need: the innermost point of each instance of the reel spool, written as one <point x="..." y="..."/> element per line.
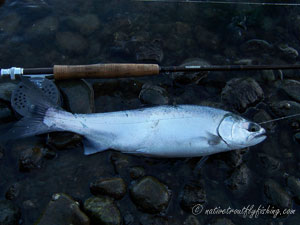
<point x="20" y="103"/>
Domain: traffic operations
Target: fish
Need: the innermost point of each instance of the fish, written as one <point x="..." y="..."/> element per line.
<point x="161" y="131"/>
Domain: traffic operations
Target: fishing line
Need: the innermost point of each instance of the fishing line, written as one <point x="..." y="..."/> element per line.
<point x="281" y="118"/>
<point x="223" y="2"/>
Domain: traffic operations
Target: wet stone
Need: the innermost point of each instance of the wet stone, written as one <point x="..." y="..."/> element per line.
<point x="6" y="89"/>
<point x="44" y="27"/>
<point x="13" y="191"/>
<point x="270" y="163"/>
<point x="137" y="172"/>
<point x="153" y="220"/>
<point x="192" y="195"/>
<point x="31" y="158"/>
<point x="113" y="187"/>
<point x="222" y="221"/>
<point x="257" y="45"/>
<point x="294" y="185"/>
<point x="71" y="42"/>
<point x="262" y="116"/>
<point x="285" y="108"/>
<point x="288" y="52"/>
<point x="234" y="158"/>
<point x="191" y="220"/>
<point x="63" y="210"/>
<point x="150" y="52"/>
<point x="86" y="24"/>
<point x="63" y="140"/>
<point x="150" y="194"/>
<point x="102" y="210"/>
<point x="291" y="88"/>
<point x="120" y="162"/>
<point x="268" y="75"/>
<point x="277" y="195"/>
<point x="241" y="93"/>
<point x="78" y="96"/>
<point x="239" y="178"/>
<point x="187" y="78"/>
<point x="9" y="213"/>
<point x="155" y="95"/>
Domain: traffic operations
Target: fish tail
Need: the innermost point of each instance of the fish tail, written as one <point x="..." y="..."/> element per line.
<point x="38" y="121"/>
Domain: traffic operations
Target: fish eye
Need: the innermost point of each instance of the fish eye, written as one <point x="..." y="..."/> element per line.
<point x="253" y="127"/>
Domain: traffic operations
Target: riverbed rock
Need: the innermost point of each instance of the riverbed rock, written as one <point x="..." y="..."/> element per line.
<point x="63" y="210"/>
<point x="191" y="220"/>
<point x="294" y="184"/>
<point x="291" y="88"/>
<point x="45" y="27"/>
<point x="150" y="194"/>
<point x="270" y="163"/>
<point x="86" y="24"/>
<point x="263" y="116"/>
<point x="10" y="23"/>
<point x="13" y="191"/>
<point x="6" y="89"/>
<point x="288" y="52"/>
<point x="150" y="52"/>
<point x="153" y="220"/>
<point x="102" y="210"/>
<point x="257" y="46"/>
<point x="285" y="108"/>
<point x="277" y="195"/>
<point x="222" y="221"/>
<point x="78" y="96"/>
<point x="187" y="78"/>
<point x="137" y="172"/>
<point x="239" y="178"/>
<point x="9" y="213"/>
<point x="241" y="93"/>
<point x="31" y="158"/>
<point x="114" y="187"/>
<point x="154" y="95"/>
<point x="63" y="140"/>
<point x="71" y="42"/>
<point x="192" y="195"/>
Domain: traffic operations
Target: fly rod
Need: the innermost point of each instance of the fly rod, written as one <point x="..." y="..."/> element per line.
<point x="63" y="72"/>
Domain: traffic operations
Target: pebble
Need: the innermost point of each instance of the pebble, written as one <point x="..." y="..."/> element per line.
<point x="63" y="140"/>
<point x="192" y="195"/>
<point x="44" y="27"/>
<point x="294" y="184"/>
<point x="270" y="163"/>
<point x="239" y="178"/>
<point x="150" y="52"/>
<point x="257" y="45"/>
<point x="291" y="88"/>
<point x="78" y="96"/>
<point x="154" y="95"/>
<point x="63" y="210"/>
<point x="120" y="162"/>
<point x="191" y="220"/>
<point x="288" y="52"/>
<point x="240" y="93"/>
<point x="31" y="158"/>
<point x="153" y="220"/>
<point x="137" y="172"/>
<point x="102" y="210"/>
<point x="86" y="24"/>
<point x="9" y="213"/>
<point x="13" y="191"/>
<point x="113" y="187"/>
<point x="285" y="108"/>
<point x="277" y="195"/>
<point x="222" y="221"/>
<point x="10" y="23"/>
<point x="150" y="194"/>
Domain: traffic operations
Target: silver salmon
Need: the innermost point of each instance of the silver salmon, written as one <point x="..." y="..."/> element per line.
<point x="162" y="131"/>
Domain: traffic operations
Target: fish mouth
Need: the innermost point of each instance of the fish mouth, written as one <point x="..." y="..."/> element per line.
<point x="261" y="135"/>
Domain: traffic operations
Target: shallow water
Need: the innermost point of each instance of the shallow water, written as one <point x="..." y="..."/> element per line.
<point x="37" y="33"/>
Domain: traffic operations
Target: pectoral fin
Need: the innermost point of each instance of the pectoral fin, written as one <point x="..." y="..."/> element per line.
<point x="213" y="139"/>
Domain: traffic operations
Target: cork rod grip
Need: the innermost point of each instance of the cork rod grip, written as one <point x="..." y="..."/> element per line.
<point x="104" y="71"/>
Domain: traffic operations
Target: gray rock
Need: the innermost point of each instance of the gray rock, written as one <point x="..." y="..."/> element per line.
<point x="71" y="42"/>
<point x="10" y="23"/>
<point x="155" y="95"/>
<point x="78" y="96"/>
<point x="240" y="93"/>
<point x="137" y="172"/>
<point x="63" y="210"/>
<point x="13" y="191"/>
<point x="153" y="220"/>
<point x="6" y="89"/>
<point x="222" y="221"/>
<point x="114" y="187"/>
<point x="288" y="52"/>
<point x="86" y="24"/>
<point x="31" y="158"/>
<point x="277" y="195"/>
<point x="239" y="178"/>
<point x="285" y="108"/>
<point x="44" y="27"/>
<point x="150" y="52"/>
<point x="102" y="210"/>
<point x="270" y="163"/>
<point x="187" y="78"/>
<point x="234" y="158"/>
<point x="263" y="116"/>
<point x="268" y="75"/>
<point x="191" y="220"/>
<point x="120" y="162"/>
<point x="291" y="88"/>
<point x="257" y="45"/>
<point x="150" y="194"/>
<point x="192" y="195"/>
<point x="9" y="213"/>
<point x="244" y="62"/>
<point x="294" y="184"/>
<point x="63" y="140"/>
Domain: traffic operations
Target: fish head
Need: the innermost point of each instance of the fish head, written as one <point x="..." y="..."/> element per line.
<point x="238" y="132"/>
